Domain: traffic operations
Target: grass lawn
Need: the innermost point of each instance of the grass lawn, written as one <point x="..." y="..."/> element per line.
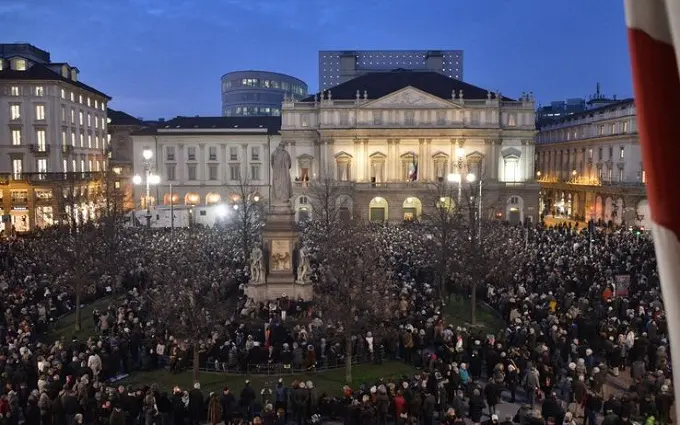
<point x="329" y="381"/>
<point x="65" y="327"/>
<point x="458" y="312"/>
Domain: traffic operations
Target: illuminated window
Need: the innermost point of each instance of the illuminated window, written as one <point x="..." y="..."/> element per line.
<point x="19" y="64"/>
<point x="15" y="111"/>
<point x="63" y="94"/>
<point x="40" y="139"/>
<point x="16" y="137"/>
<point x="255" y="153"/>
<point x="40" y="91"/>
<point x="81" y="119"/>
<point x="17" y="168"/>
<point x="621" y="151"/>
<point x="212" y="155"/>
<point x="42" y="165"/>
<point x="14" y="91"/>
<point x="40" y="112"/>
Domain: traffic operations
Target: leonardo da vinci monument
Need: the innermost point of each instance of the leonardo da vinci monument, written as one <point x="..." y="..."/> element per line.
<point x="280" y="267"/>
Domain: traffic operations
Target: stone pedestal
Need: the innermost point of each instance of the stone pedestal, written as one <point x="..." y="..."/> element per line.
<point x="280" y="241"/>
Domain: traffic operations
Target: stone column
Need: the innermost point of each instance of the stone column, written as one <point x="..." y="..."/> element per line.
<point x="201" y="172"/>
<point x="428" y="160"/>
<point x="396" y="170"/>
<point x="367" y="161"/>
<point x="391" y="159"/>
<point x="330" y="159"/>
<point x="181" y="164"/>
<point x="244" y="164"/>
<point x="421" y="163"/>
<point x="293" y="160"/>
<point x="452" y="158"/>
<point x="357" y="172"/>
<point x="494" y="158"/>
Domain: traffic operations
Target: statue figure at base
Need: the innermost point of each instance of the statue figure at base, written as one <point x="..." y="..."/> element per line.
<point x="256" y="266"/>
<point x="303" y="267"/>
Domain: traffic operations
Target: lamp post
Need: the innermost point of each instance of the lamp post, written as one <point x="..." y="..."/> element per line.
<point x="149" y="179"/>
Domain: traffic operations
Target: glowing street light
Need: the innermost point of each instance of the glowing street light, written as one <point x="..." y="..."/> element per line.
<point x="221" y="210"/>
<point x="147" y="154"/>
<point x="137" y="179"/>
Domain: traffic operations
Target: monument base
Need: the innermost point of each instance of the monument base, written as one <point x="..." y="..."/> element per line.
<point x="271" y="291"/>
<point x="281" y="239"/>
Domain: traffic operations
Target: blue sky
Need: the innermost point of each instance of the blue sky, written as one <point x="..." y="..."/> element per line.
<point x="162" y="58"/>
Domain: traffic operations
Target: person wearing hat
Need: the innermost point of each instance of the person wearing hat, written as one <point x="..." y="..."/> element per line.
<point x="247" y="399"/>
<point x="228" y="402"/>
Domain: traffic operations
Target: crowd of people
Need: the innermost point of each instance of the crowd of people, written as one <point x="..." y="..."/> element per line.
<point x="582" y="309"/>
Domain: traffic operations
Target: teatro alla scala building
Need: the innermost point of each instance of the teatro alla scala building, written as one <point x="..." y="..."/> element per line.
<point x="397" y="143"/>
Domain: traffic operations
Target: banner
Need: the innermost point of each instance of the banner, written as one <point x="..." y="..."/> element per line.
<point x="622" y="282"/>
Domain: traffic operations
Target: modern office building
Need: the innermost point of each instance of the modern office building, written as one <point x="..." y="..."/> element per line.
<point x="53" y="140"/>
<point x="589" y="166"/>
<point x="258" y="93"/>
<point x="562" y="108"/>
<point x="339" y="66"/>
<point x="390" y="138"/>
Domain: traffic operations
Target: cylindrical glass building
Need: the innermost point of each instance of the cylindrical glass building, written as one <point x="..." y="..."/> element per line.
<point x="247" y="93"/>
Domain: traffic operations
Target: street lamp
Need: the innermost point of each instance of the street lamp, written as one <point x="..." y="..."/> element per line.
<point x="148" y="179"/>
<point x="538" y="174"/>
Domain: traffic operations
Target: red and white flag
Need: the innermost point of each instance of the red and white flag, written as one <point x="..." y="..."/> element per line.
<point x="654" y="39"/>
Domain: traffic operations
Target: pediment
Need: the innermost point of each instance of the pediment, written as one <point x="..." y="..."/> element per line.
<point x="409" y="97"/>
<point x="475" y="154"/>
<point x="511" y="153"/>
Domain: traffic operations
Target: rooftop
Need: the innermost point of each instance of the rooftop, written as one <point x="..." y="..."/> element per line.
<point x="614" y="105"/>
<point x="216" y="125"/>
<point x="122" y="118"/>
<point x="40" y="72"/>
<point x="380" y="84"/>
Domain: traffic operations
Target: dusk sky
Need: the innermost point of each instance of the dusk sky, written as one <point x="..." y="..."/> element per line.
<point x="162" y="58"/>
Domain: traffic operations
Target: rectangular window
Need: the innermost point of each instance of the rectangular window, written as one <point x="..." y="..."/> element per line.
<point x="89" y="141"/>
<point x="73" y="116"/>
<point x="63" y="114"/>
<point x="82" y="140"/>
<point x="620" y="174"/>
<point x="74" y="167"/>
<point x="590" y="153"/>
<point x="89" y="119"/>
<point x="40" y="112"/>
<point x="88" y="102"/>
<point x="624" y="127"/>
<point x="621" y="151"/>
<point x="14" y="91"/>
<point x="96" y="104"/>
<point x="65" y="166"/>
<point x="170" y="172"/>
<point x="40" y="140"/>
<point x="599" y="154"/>
<point x="96" y="142"/>
<point x="42" y="165"/>
<point x="81" y="118"/>
<point x="441" y="117"/>
<point x="255" y="153"/>
<point x="611" y="152"/>
<point x="212" y="172"/>
<point x="409" y="117"/>
<point x="40" y="91"/>
<point x="63" y="96"/>
<point x="82" y="165"/>
<point x="377" y="118"/>
<point x="191" y="172"/>
<point x="16" y="136"/>
<point x="89" y="165"/>
<point x="17" y="168"/>
<point x="212" y="154"/>
<point x="609" y="174"/>
<point x="255" y="171"/>
<point x="15" y="111"/>
<point x="80" y="99"/>
<point x="97" y="164"/>
<point x="73" y="138"/>
<point x="72" y="96"/>
<point x="600" y="130"/>
<point x="191" y="154"/>
<point x="170" y="153"/>
<point x="233" y="153"/>
<point x="63" y="138"/>
<point x="235" y="172"/>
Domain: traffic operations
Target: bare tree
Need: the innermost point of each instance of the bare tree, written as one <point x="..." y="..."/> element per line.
<point x="186" y="297"/>
<point x="248" y="215"/>
<point x="326" y="196"/>
<point x="355" y="288"/>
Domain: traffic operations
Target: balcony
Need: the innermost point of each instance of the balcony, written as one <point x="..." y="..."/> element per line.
<point x="40" y="149"/>
<point x="41" y="178"/>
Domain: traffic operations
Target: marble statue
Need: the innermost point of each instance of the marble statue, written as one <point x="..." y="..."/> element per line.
<point x="303" y="267"/>
<point x="282" y="188"/>
<point x="256" y="265"/>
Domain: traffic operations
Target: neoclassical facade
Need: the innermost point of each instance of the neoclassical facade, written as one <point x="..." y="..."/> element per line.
<point x="205" y="160"/>
<point x="389" y="138"/>
<point x="589" y="166"/>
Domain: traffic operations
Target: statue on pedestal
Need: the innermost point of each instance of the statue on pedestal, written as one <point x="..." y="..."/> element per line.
<point x="256" y="266"/>
<point x="303" y="267"/>
<point x="282" y="187"/>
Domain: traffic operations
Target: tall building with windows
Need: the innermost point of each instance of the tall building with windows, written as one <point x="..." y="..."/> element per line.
<point x="53" y="140"/>
<point x="589" y="166"/>
<point x="258" y="93"/>
<point x="205" y="160"/>
<point x="339" y="66"/>
<point x="389" y="139"/>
